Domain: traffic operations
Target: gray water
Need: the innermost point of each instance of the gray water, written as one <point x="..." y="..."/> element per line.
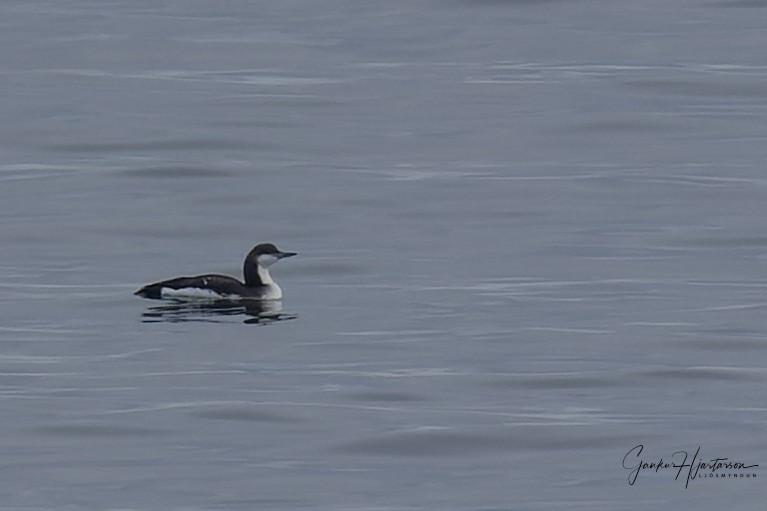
<point x="531" y="237"/>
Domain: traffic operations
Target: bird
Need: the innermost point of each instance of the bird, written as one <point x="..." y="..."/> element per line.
<point x="258" y="284"/>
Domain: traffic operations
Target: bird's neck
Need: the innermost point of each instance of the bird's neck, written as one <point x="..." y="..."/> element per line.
<point x="263" y="274"/>
<point x="256" y="275"/>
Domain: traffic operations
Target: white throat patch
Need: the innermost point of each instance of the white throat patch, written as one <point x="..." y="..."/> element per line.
<point x="266" y="260"/>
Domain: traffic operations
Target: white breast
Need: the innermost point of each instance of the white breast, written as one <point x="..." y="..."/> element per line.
<point x="272" y="292"/>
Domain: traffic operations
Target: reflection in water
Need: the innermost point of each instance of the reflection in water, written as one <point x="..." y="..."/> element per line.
<point x="179" y="311"/>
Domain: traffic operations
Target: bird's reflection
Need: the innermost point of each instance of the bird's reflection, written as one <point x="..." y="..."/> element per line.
<point x="256" y="312"/>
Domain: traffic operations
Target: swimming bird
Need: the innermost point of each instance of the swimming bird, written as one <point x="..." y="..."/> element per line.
<point x="258" y="282"/>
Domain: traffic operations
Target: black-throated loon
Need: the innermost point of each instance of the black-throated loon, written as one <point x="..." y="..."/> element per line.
<point x="258" y="283"/>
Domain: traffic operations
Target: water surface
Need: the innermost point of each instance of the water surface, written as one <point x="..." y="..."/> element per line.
<point x="530" y="234"/>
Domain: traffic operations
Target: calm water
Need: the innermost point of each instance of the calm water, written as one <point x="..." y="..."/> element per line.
<point x="531" y="236"/>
